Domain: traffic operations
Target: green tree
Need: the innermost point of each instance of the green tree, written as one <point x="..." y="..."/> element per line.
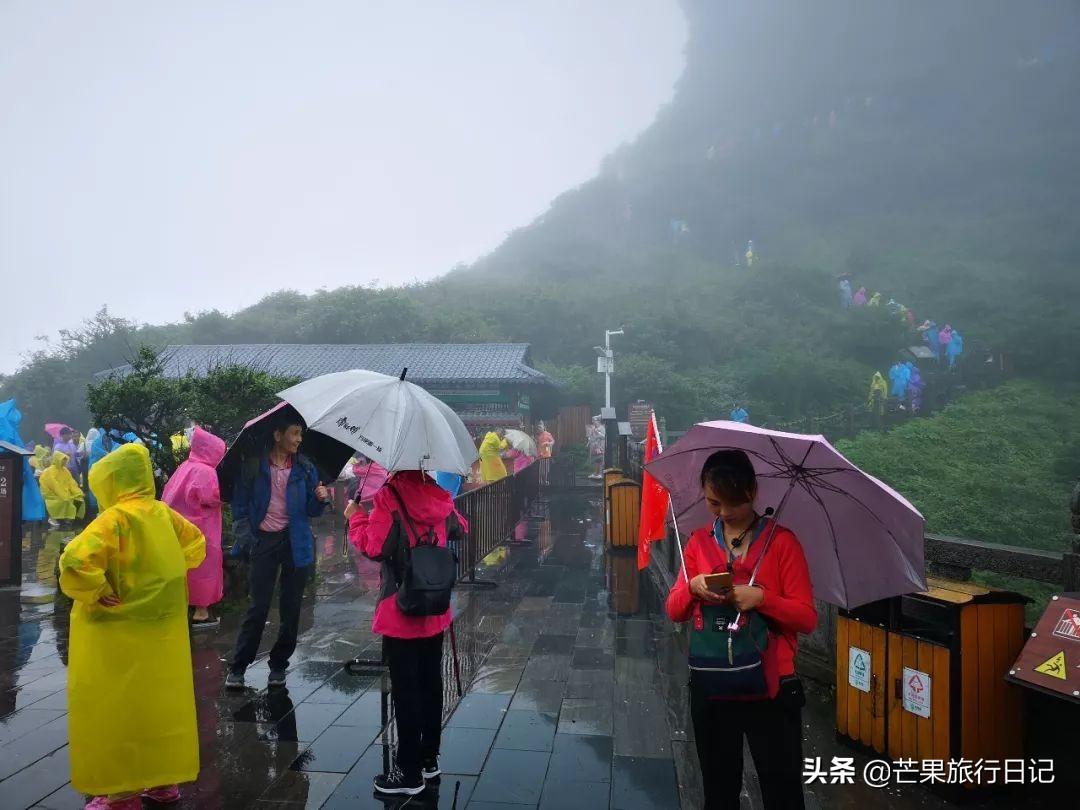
<point x="145" y="402"/>
<point x="225" y="397"/>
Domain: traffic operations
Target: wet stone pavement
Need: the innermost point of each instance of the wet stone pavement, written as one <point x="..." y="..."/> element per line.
<point x="563" y="704"/>
<point x="573" y="693"/>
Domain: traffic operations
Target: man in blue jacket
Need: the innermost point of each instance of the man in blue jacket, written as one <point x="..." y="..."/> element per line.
<point x="273" y="500"/>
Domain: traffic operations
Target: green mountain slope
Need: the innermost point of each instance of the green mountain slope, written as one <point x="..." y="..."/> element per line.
<point x="926" y="148"/>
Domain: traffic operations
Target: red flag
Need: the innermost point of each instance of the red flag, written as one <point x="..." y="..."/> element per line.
<point x="654" y="501"/>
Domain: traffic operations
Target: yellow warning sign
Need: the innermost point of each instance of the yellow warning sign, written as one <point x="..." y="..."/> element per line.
<point x="1054" y="667"/>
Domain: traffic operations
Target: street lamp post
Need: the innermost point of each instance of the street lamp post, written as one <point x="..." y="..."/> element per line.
<point x="607" y="363"/>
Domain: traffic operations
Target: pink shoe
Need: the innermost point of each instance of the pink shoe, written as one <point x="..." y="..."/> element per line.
<point x="105" y="803"/>
<point x="168" y="794"/>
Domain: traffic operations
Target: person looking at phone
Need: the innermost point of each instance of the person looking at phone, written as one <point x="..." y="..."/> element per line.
<point x="753" y="626"/>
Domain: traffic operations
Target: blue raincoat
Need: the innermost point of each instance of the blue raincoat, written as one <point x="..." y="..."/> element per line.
<point x="931" y="338"/>
<point x="899" y="375"/>
<point x="451" y="482"/>
<point x="955" y="348"/>
<point x="33" y="505"/>
<point x="99" y="448"/>
<point x="740" y="415"/>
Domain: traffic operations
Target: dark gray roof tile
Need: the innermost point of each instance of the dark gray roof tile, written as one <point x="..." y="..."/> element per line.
<point x="428" y="363"/>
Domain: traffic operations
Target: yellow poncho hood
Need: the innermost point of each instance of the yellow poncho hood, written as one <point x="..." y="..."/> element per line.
<point x="124" y="474"/>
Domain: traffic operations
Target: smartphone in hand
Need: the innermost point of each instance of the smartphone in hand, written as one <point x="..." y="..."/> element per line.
<point x="718" y="583"/>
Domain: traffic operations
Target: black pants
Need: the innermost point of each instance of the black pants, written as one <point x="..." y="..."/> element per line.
<point x="774" y="733"/>
<point x="271" y="554"/>
<point x="416" y="687"/>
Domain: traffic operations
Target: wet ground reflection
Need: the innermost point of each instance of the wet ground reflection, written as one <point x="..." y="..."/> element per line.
<point x="549" y="660"/>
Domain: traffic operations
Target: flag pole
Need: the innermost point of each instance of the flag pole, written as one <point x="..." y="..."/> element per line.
<point x="671" y="503"/>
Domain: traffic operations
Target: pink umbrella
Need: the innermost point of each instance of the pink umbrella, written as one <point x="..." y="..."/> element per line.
<point x="863" y="540"/>
<point x="54" y="429"/>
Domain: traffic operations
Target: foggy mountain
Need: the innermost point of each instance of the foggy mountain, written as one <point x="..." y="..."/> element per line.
<point x="926" y="148"/>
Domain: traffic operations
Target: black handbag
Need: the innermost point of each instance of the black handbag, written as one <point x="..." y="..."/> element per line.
<point x="426" y="572"/>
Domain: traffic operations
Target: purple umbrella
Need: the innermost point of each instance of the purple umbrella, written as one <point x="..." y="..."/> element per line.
<point x="863" y="540"/>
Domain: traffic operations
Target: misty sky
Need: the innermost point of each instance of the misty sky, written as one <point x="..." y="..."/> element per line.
<point x="176" y="156"/>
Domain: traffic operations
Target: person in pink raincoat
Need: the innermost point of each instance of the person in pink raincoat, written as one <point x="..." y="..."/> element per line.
<point x="193" y="492"/>
<point x="370" y="477"/>
<point x="945" y="338"/>
<point x="518" y="460"/>
<point x="411" y="503"/>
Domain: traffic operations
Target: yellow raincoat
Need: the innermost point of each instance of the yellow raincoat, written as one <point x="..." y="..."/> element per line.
<point x="64" y="500"/>
<point x="879" y="392"/>
<point x="131" y="698"/>
<point x="180" y="446"/>
<point x="40" y="461"/>
<point x="491" y="463"/>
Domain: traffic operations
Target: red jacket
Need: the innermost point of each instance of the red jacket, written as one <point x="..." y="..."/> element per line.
<point x="788" y="603"/>
<point x="377" y="534"/>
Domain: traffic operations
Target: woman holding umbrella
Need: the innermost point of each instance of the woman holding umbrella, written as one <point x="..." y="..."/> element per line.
<point x="769" y="602"/>
<point x="411" y="508"/>
<point x="860" y="541"/>
<point x="409" y="529"/>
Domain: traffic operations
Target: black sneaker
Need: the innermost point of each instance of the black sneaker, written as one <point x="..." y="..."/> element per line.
<point x="277" y="678"/>
<point x="234" y="680"/>
<point x="396" y="783"/>
<point x="431" y="769"/>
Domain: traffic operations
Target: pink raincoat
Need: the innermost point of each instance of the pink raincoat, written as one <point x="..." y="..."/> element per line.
<point x="945" y="337"/>
<point x="193" y="492"/>
<point x="429" y="505"/>
<point x="519" y="461"/>
<point x="370" y="477"/>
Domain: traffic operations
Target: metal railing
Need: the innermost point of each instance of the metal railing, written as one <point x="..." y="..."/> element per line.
<point x="493" y="510"/>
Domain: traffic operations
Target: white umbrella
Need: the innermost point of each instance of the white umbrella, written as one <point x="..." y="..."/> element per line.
<point x="389" y="420"/>
<point x="521" y="441"/>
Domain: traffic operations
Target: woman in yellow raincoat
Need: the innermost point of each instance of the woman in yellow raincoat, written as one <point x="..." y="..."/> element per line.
<point x="491" y="463"/>
<point x="131" y="698"/>
<point x="879" y="392"/>
<point x="64" y="500"/>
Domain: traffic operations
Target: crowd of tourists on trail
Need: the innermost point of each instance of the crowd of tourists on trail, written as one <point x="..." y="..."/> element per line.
<point x="905" y="384"/>
<point x="130" y="555"/>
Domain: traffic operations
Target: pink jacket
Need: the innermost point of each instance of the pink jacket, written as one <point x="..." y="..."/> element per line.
<point x="520" y="461"/>
<point x="377" y="534"/>
<point x="370" y="478"/>
<point x="193" y="492"/>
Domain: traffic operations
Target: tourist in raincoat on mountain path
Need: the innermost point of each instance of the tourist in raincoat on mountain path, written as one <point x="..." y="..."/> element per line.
<point x="944" y="339"/>
<point x="193" y="491"/>
<point x="859" y="299"/>
<point x="33" y="505"/>
<point x="131" y="697"/>
<point x="915" y="388"/>
<point x="899" y="375"/>
<point x="955" y="348"/>
<point x="491" y="463"/>
<point x="879" y="392"/>
<point x="64" y="500"/>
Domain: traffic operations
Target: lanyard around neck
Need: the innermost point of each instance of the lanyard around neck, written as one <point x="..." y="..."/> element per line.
<point x="721" y="541"/>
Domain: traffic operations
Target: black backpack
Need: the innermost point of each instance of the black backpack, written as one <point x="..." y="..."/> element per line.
<point x="427" y="572"/>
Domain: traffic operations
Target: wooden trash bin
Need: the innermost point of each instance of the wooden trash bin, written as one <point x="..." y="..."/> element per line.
<point x="934" y="685"/>
<point x="622" y="509"/>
